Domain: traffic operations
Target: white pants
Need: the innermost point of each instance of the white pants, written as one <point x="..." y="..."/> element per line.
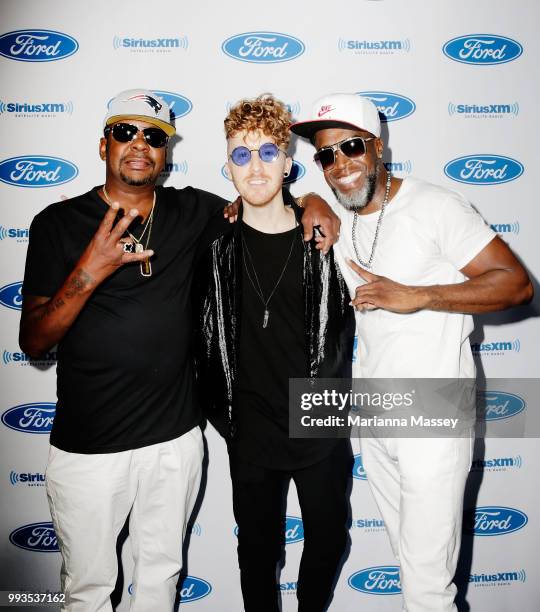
<point x="418" y="485"/>
<point x="90" y="497"/>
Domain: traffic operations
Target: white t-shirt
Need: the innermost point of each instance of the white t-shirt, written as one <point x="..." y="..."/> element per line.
<point x="427" y="235"/>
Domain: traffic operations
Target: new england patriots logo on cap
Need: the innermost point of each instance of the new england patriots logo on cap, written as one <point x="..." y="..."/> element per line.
<point x="152" y="102"/>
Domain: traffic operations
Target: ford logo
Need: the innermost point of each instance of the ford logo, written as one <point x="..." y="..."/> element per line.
<point x="483" y="169"/>
<point x="263" y="47"/>
<point x="179" y="105"/>
<point x="380" y="580"/>
<point x="493" y="520"/>
<point x="37" y="171"/>
<point x="294" y="530"/>
<point x="37" y="45"/>
<point x="296" y="173"/>
<point x="37" y="537"/>
<point x="498" y="405"/>
<point x="358" y="468"/>
<point x="193" y="589"/>
<point x="34" y="418"/>
<point x="11" y="296"/>
<point x="482" y="49"/>
<point x="391" y="106"/>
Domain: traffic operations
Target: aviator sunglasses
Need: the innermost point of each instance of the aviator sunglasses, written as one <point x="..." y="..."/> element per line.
<point x="268" y="152"/>
<point x="353" y="148"/>
<point x="126" y="132"/>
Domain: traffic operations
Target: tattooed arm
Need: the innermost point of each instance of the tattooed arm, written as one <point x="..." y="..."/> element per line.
<point x="44" y="320"/>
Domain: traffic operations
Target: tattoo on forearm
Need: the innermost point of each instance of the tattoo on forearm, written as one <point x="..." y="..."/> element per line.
<point x="77" y="283"/>
<point x="50" y="307"/>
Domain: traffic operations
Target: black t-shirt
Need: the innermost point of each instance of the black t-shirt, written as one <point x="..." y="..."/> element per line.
<point x="124" y="368"/>
<point x="268" y="357"/>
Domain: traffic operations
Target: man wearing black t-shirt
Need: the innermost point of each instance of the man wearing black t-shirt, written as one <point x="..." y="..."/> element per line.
<point x="116" y="300"/>
<point x="289" y="318"/>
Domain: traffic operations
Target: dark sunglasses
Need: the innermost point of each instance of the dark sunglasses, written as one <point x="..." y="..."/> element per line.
<point x="268" y="152"/>
<point x="126" y="132"/>
<point x="352" y="148"/>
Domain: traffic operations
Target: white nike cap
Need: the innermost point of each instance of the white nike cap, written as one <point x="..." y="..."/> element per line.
<point x="336" y="110"/>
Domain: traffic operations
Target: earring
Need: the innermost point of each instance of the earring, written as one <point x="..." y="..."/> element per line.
<point x="285" y="174"/>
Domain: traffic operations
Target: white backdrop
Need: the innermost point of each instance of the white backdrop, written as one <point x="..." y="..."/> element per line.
<point x="475" y="100"/>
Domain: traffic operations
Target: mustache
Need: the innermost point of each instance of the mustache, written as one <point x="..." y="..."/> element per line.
<point x="137" y="158"/>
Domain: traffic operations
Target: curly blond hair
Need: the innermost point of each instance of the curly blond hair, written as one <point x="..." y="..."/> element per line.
<point x="264" y="113"/>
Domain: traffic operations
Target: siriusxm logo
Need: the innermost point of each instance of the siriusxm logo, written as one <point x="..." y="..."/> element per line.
<point x="150" y="45"/>
<point x="19" y="358"/>
<point x="297" y="172"/>
<point x="32" y="480"/>
<point x="483" y="169"/>
<point x="37" y="171"/>
<point x="498" y="405"/>
<point x="496" y="464"/>
<point x="483" y="111"/>
<point x="30" y="109"/>
<point x="37" y="537"/>
<point x="37" y="45"/>
<point x="196" y="529"/>
<point x="404" y="167"/>
<point x="506" y="228"/>
<point x="263" y="47"/>
<point x="482" y="49"/>
<point x="380" y="580"/>
<point x="11" y="296"/>
<point x="368" y="525"/>
<point x="374" y="47"/>
<point x="19" y="234"/>
<point x="495" y="348"/>
<point x="358" y="468"/>
<point x="36" y="418"/>
<point x="175" y="167"/>
<point x="391" y="106"/>
<point x="193" y="589"/>
<point x="178" y="105"/>
<point x="497" y="579"/>
<point x="288" y="588"/>
<point x="493" y="520"/>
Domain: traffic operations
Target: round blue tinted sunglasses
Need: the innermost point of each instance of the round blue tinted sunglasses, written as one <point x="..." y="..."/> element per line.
<point x="268" y="152"/>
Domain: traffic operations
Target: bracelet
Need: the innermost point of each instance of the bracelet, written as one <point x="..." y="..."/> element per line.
<point x="300" y="200"/>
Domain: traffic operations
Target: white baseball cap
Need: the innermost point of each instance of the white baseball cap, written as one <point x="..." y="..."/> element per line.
<point x="141" y="104"/>
<point x="340" y="110"/>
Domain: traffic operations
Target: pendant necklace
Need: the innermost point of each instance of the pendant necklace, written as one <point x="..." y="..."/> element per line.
<point x="367" y="264"/>
<point x="137" y="246"/>
<point x="257" y="285"/>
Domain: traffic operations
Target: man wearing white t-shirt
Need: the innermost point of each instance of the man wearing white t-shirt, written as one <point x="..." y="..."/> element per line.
<point x="427" y="262"/>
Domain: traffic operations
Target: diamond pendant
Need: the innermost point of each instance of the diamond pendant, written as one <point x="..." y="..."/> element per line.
<point x="266" y="317"/>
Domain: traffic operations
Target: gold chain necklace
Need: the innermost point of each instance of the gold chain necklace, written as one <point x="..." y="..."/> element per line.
<point x="137" y="246"/>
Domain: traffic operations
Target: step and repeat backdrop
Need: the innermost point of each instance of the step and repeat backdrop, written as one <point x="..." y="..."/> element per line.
<point x="457" y="85"/>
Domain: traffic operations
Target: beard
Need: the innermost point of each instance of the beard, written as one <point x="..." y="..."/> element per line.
<point x="361" y="198"/>
<point x="150" y="179"/>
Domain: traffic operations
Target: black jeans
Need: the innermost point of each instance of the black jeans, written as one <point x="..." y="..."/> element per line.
<point x="259" y="496"/>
